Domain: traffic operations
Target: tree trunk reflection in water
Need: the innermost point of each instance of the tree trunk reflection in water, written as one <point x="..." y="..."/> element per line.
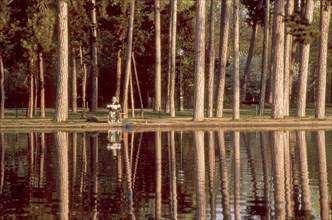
<point x="128" y="177"/>
<point x="322" y="175"/>
<point x="172" y="161"/>
<point x="158" y="174"/>
<point x="224" y="176"/>
<point x="288" y="177"/>
<point x="84" y="164"/>
<point x="237" y="174"/>
<point x="304" y="173"/>
<point x="31" y="145"/>
<point x="266" y="171"/>
<point x="61" y="145"/>
<point x="200" y="174"/>
<point x="41" y="160"/>
<point x="277" y="143"/>
<point x="74" y="146"/>
<point x="94" y="169"/>
<point x="2" y="170"/>
<point x="212" y="174"/>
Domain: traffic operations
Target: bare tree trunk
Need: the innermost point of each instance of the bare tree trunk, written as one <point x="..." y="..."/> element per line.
<point x="265" y="57"/>
<point x="83" y="69"/>
<point x="288" y="58"/>
<point x="169" y="69"/>
<point x="61" y="106"/>
<point x="132" y="94"/>
<point x="173" y="58"/>
<point x="157" y="86"/>
<point x="325" y="8"/>
<point x="31" y="88"/>
<point x="211" y="85"/>
<point x="2" y="89"/>
<point x="94" y="58"/>
<point x="74" y="82"/>
<point x="278" y="61"/>
<point x="128" y="58"/>
<point x="223" y="48"/>
<point x="199" y="62"/>
<point x="236" y="61"/>
<point x="35" y="100"/>
<point x="248" y="64"/>
<point x="138" y="85"/>
<point x="118" y="73"/>
<point x="41" y="85"/>
<point x="304" y="65"/>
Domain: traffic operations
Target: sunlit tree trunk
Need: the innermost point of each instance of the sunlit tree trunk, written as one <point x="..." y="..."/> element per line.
<point x="173" y="58"/>
<point x="61" y="106"/>
<point x="61" y="145"/>
<point x="157" y="85"/>
<point x="35" y="93"/>
<point x="246" y="73"/>
<point x="31" y="87"/>
<point x="277" y="75"/>
<point x="200" y="174"/>
<point x="128" y="58"/>
<point x="118" y="73"/>
<point x="199" y="62"/>
<point x="304" y="65"/>
<point x="41" y="84"/>
<point x="83" y="73"/>
<point x="74" y="82"/>
<point x="94" y="58"/>
<point x="236" y="60"/>
<point x="223" y="49"/>
<point x="169" y="60"/>
<point x="264" y="57"/>
<point x="322" y="175"/>
<point x="325" y="8"/>
<point x="2" y="89"/>
<point x="211" y="84"/>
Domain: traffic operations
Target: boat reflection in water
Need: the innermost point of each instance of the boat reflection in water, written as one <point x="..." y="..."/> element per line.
<point x="166" y="174"/>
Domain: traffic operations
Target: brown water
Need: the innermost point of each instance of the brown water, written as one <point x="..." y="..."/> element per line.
<point x="166" y="175"/>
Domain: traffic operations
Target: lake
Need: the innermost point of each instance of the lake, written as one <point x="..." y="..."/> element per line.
<point x="178" y="174"/>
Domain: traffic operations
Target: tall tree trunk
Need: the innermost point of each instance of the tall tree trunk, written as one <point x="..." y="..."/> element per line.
<point x="132" y="102"/>
<point x="41" y="85"/>
<point x="157" y="85"/>
<point x="173" y="58"/>
<point x="35" y="100"/>
<point x="199" y="62"/>
<point x="325" y="8"/>
<point x="248" y="64"/>
<point x="288" y="58"/>
<point x="236" y="61"/>
<point x="83" y="73"/>
<point x="31" y="88"/>
<point x="94" y="59"/>
<point x="265" y="57"/>
<point x="61" y="106"/>
<point x="118" y="73"/>
<point x="2" y="89"/>
<point x="304" y="65"/>
<point x="223" y="48"/>
<point x="211" y="85"/>
<point x="278" y="60"/>
<point x="128" y="58"/>
<point x="74" y="82"/>
<point x="138" y="85"/>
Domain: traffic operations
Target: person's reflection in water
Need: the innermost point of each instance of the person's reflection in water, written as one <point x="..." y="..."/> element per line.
<point x="114" y="140"/>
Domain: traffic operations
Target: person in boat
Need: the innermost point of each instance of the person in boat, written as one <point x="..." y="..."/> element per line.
<point x="114" y="111"/>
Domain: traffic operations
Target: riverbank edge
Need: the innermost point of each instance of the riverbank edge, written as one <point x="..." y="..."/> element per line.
<point x="171" y="123"/>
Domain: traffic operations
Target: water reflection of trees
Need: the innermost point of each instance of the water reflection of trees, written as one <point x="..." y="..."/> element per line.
<point x="214" y="173"/>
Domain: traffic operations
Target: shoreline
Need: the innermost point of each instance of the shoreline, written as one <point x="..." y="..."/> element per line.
<point x="166" y="124"/>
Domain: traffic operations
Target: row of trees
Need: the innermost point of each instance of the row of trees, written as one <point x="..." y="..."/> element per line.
<point x="92" y="38"/>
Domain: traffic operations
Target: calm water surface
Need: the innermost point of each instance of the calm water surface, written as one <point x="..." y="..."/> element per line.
<point x="166" y="175"/>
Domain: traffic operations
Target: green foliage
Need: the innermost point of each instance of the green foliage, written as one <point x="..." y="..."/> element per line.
<point x="300" y="28"/>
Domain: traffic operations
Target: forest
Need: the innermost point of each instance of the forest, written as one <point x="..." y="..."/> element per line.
<point x="167" y="55"/>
